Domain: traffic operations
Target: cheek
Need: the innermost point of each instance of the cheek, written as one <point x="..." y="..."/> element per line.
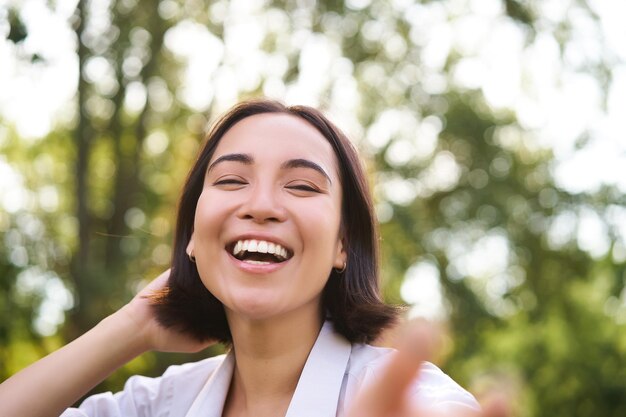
<point x="320" y="227"/>
<point x="208" y="270"/>
<point x="208" y="216"/>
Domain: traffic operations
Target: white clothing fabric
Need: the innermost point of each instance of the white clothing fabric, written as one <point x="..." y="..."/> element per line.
<point x="333" y="374"/>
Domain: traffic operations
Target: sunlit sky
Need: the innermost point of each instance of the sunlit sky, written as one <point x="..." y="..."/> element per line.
<point x="554" y="100"/>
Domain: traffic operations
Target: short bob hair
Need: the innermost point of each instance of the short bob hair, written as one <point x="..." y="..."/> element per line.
<point x="351" y="299"/>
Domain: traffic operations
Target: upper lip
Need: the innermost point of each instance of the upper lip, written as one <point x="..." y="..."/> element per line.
<point x="259" y="236"/>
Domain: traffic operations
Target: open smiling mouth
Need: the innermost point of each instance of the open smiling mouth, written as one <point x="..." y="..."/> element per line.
<point x="259" y="252"/>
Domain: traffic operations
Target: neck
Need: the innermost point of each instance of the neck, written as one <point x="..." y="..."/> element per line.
<point x="269" y="358"/>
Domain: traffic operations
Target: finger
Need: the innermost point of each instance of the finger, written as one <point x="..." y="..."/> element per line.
<point x="159" y="281"/>
<point x="387" y="394"/>
<point x="156" y="285"/>
<point x="497" y="405"/>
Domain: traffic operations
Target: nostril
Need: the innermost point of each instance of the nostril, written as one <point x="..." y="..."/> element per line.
<point x="261" y="208"/>
<point x="260" y="219"/>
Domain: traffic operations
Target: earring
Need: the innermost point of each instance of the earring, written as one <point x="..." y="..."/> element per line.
<point x="342" y="270"/>
<point x="191" y="257"/>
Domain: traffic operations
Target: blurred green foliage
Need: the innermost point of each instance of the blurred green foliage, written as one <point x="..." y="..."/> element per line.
<point x="101" y="192"/>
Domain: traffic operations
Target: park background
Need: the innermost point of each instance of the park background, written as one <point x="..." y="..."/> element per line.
<point x="493" y="131"/>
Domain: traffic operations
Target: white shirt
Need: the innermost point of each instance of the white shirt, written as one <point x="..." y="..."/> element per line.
<point x="333" y="374"/>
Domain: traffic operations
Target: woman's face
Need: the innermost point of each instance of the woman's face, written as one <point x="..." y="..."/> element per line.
<point x="267" y="224"/>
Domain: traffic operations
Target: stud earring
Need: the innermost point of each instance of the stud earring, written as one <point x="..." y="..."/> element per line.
<point x="342" y="270"/>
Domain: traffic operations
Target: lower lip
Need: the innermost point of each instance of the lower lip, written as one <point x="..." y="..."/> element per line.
<point x="256" y="268"/>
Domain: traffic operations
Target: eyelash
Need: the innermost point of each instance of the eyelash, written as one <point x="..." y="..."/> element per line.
<point x="230" y="181"/>
<point x="299" y="187"/>
<point x="303" y="187"/>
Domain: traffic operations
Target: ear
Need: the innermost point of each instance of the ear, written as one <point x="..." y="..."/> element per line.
<point x="341" y="257"/>
<point x="190" y="246"/>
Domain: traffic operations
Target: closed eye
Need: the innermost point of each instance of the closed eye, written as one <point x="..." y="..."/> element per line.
<point x="230" y="181"/>
<point x="303" y="187"/>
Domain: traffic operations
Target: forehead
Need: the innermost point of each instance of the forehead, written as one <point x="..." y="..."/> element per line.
<point x="277" y="137"/>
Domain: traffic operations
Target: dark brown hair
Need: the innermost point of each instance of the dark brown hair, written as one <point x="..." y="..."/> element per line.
<point x="351" y="299"/>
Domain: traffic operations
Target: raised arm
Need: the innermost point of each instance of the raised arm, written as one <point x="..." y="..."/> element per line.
<point x="52" y="384"/>
<point x="388" y="396"/>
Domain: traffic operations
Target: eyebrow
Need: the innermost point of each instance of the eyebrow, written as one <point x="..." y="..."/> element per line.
<point x="305" y="163"/>
<point x="290" y="164"/>
<point x="235" y="157"/>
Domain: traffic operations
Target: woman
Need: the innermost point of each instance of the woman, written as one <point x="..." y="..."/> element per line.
<point x="276" y="255"/>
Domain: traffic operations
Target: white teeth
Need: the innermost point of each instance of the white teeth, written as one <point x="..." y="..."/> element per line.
<point x="260" y="246"/>
<point x="249" y="261"/>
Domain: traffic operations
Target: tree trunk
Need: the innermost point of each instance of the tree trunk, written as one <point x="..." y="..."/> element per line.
<point x="83" y="137"/>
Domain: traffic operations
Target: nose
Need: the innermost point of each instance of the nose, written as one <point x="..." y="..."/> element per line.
<point x="262" y="205"/>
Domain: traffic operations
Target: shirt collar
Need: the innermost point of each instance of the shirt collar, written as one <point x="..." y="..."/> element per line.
<point x="319" y="386"/>
<point x="318" y="389"/>
<point x="210" y="400"/>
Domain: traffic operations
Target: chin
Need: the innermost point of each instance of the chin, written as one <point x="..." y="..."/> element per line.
<point x="255" y="307"/>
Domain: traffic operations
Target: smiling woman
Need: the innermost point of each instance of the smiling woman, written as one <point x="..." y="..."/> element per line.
<point x="278" y="173"/>
<point x="275" y="254"/>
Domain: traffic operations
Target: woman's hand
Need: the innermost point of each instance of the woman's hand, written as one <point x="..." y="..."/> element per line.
<point x="388" y="395"/>
<point x="139" y="312"/>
